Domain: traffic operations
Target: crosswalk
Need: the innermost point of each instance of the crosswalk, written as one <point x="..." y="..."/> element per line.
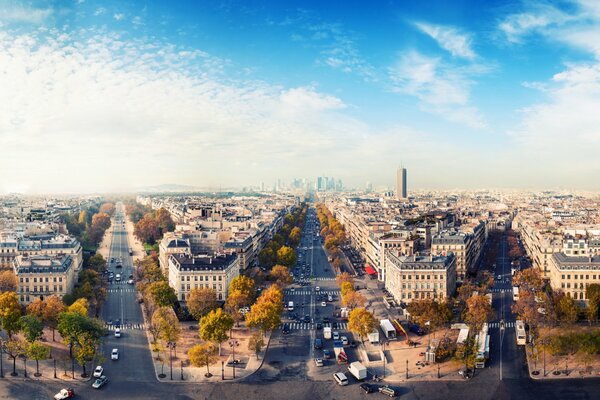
<point x="123" y="290"/>
<point x="323" y="278"/>
<point x="125" y="326"/>
<point x="501" y="290"/>
<point x="299" y="326"/>
<point x="509" y="324"/>
<point x="307" y="292"/>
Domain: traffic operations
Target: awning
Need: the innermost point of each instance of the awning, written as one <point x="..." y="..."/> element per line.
<point x="370" y="270"/>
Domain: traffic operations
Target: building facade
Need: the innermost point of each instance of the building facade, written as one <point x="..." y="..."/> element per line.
<point x="401" y="191"/>
<point x="573" y="274"/>
<point x="40" y="276"/>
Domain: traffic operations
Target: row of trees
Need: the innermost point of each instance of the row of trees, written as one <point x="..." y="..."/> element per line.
<point x="350" y="297"/>
<point x="153" y="225"/>
<point x="334" y="235"/>
<point x="280" y="249"/>
<point x="89" y="226"/>
<point x="91" y="284"/>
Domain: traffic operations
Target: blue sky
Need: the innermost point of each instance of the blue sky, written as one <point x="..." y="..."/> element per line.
<point x="466" y="94"/>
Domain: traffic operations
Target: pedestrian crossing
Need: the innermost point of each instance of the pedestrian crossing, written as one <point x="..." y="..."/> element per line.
<point x="308" y="292"/>
<point x="509" y="324"/>
<point x="323" y="278"/>
<point x="501" y="290"/>
<point x="124" y="290"/>
<point x="125" y="326"/>
<point x="300" y="326"/>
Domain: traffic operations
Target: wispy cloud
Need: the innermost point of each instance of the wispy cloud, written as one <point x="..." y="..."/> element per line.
<point x="118" y="16"/>
<point x="19" y="12"/>
<point x="442" y="89"/>
<point x="450" y="39"/>
<point x="100" y="11"/>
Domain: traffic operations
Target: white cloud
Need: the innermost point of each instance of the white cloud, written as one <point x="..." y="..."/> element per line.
<point x="118" y="16"/>
<point x="11" y="11"/>
<point x="100" y="11"/>
<point x="450" y="39"/>
<point x="441" y="89"/>
<point x="308" y="98"/>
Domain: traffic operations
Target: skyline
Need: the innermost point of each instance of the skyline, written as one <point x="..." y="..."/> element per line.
<point x="111" y="96"/>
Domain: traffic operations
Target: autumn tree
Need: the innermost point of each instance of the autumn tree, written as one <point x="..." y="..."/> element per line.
<point x="568" y="310"/>
<point x="200" y="301"/>
<point x="54" y="306"/>
<point x="295" y="236"/>
<point x="256" y="343"/>
<point x="361" y="322"/>
<point x="479" y="311"/>
<point x="80" y="306"/>
<point x="266" y="312"/>
<point x="10" y="312"/>
<point x="203" y="355"/>
<point x="161" y="293"/>
<point x="286" y="256"/>
<point x="281" y="275"/>
<point x="235" y="301"/>
<point x="215" y="325"/>
<point x="14" y="348"/>
<point x="346" y="287"/>
<point x="108" y="208"/>
<point x="593" y="295"/>
<point x="245" y="285"/>
<point x="428" y="312"/>
<point x="166" y="323"/>
<point x="8" y="281"/>
<point x="344" y="277"/>
<point x="352" y="299"/>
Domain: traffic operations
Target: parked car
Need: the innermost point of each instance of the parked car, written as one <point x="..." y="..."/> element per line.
<point x="318" y="343"/>
<point x="344" y="340"/>
<point x="319" y="362"/>
<point x="336" y="336"/>
<point x="98" y="371"/>
<point x="64" y="394"/>
<point x="367" y="387"/>
<point x="388" y="391"/>
<point x="326" y="354"/>
<point x="101" y="381"/>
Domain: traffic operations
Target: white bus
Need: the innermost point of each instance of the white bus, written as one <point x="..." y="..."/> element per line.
<point x="520" y="333"/>
<point x="515" y="293"/>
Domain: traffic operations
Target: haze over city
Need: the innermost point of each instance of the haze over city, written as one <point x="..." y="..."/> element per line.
<point x="114" y="96"/>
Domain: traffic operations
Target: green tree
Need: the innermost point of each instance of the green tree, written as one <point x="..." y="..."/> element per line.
<point x="361" y="322"/>
<point x="267" y="257"/>
<point x="215" y="325"/>
<point x="10" y="312"/>
<point x="162" y="294"/>
<point x="286" y="256"/>
<point x="14" y="348"/>
<point x="568" y="310"/>
<point x="96" y="263"/>
<point x="592" y="293"/>
<point x="87" y="345"/>
<point x="32" y="327"/>
<point x="200" y="301"/>
<point x="203" y="355"/>
<point x="256" y="343"/>
<point x="38" y="351"/>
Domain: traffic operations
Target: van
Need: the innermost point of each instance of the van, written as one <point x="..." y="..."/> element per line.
<point x="340" y="378"/>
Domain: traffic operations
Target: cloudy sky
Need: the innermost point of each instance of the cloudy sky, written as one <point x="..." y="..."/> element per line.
<point x="114" y="95"/>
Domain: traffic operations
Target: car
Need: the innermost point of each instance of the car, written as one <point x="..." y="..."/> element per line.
<point x="344" y="340"/>
<point x="307" y="319"/>
<point x="388" y="391"/>
<point x="323" y="304"/>
<point x="336" y="336"/>
<point x="499" y="277"/>
<point x="326" y="354"/>
<point x="130" y="282"/>
<point x="109" y="322"/>
<point x="117" y="332"/>
<point x="98" y="371"/>
<point x="101" y="381"/>
<point x="340" y="378"/>
<point x="318" y="343"/>
<point x="292" y="289"/>
<point x="367" y="388"/>
<point x="118" y="322"/>
<point x="325" y="320"/>
<point x="118" y="266"/>
<point x="286" y="329"/>
<point x="329" y="298"/>
<point x="64" y="394"/>
<point x="114" y="355"/>
<point x="118" y="277"/>
<point x="317" y="289"/>
<point x="319" y="362"/>
<point x="319" y="325"/>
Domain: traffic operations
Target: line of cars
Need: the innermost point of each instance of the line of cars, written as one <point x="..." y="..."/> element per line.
<point x="342" y="379"/>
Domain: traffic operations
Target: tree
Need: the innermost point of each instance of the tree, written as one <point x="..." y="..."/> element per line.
<point x="528" y="279"/>
<point x="344" y="277"/>
<point x="200" y="301"/>
<point x="32" y="327"/>
<point x="295" y="236"/>
<point x="10" y="312"/>
<point x="8" y="281"/>
<point x="592" y="293"/>
<point x="353" y="299"/>
<point x="266" y="312"/>
<point x="256" y="343"/>
<point x="96" y="263"/>
<point x="479" y="311"/>
<point x="286" y="256"/>
<point x="346" y="287"/>
<point x="281" y="275"/>
<point x="75" y="328"/>
<point x="14" y="348"/>
<point x="361" y="322"/>
<point x="87" y="345"/>
<point x="107" y="208"/>
<point x="81" y="307"/>
<point x="568" y="310"/>
<point x="244" y="285"/>
<point x="161" y="293"/>
<point x="235" y="301"/>
<point x="167" y="324"/>
<point x="215" y="325"/>
<point x="526" y="308"/>
<point x="203" y="355"/>
<point x="267" y="257"/>
<point x="38" y="351"/>
<point x="54" y="306"/>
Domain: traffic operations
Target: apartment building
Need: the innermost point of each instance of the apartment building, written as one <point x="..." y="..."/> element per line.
<point x="187" y="272"/>
<point x="573" y="274"/>
<point x="403" y="242"/>
<point x="40" y="276"/>
<point x="418" y="277"/>
<point x="171" y="243"/>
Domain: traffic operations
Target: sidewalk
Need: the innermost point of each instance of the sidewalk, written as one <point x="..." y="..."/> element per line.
<point x="557" y="369"/>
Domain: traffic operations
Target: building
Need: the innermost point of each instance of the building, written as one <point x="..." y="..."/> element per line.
<point x="401" y="191"/>
<point x="187" y="272"/>
<point x="573" y="274"/>
<point x="40" y="276"/>
<point x="419" y="277"/>
<point x="171" y="244"/>
<point x="466" y="246"/>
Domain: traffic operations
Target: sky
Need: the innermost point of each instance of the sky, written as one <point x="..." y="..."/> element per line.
<point x="117" y="95"/>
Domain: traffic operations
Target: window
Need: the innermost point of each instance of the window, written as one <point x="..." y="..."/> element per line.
<point x="182" y="278"/>
<point x="220" y="287"/>
<point x="220" y="278"/>
<point x="60" y="288"/>
<point x="196" y="279"/>
<point x="183" y="286"/>
<point x="187" y="278"/>
<point x="35" y="280"/>
<point x="35" y="288"/>
<point x="214" y="286"/>
<point x="60" y="279"/>
<point x="188" y="286"/>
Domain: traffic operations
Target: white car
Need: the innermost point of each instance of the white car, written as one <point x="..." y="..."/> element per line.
<point x="64" y="394"/>
<point x="344" y="340"/>
<point x="317" y="289"/>
<point x="98" y="371"/>
<point x="130" y="282"/>
<point x="117" y="332"/>
<point x="115" y="354"/>
<point x="336" y="336"/>
<point x="499" y="277"/>
<point x="323" y="304"/>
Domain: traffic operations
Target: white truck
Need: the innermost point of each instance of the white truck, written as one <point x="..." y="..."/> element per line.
<point x="388" y="329"/>
<point x="358" y="370"/>
<point x="327" y="332"/>
<point x="374" y="337"/>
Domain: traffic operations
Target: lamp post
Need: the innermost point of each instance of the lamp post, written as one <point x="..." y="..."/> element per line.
<point x="54" y="368"/>
<point x="222" y="370"/>
<point x="407" y="369"/>
<point x="25" y="366"/>
<point x="543" y="342"/>
<point x="233" y="344"/>
<point x="171" y="346"/>
<point x="384" y="344"/>
<point x="1" y="357"/>
<point x="181" y="365"/>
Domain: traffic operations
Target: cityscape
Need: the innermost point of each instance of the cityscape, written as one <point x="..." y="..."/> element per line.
<point x="308" y="200"/>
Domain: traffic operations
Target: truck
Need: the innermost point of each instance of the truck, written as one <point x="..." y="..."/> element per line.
<point x="515" y="293"/>
<point x="388" y="329"/>
<point x="373" y="337"/>
<point x="483" y="347"/>
<point x="340" y="354"/>
<point x="327" y="332"/>
<point x="344" y="313"/>
<point x="358" y="370"/>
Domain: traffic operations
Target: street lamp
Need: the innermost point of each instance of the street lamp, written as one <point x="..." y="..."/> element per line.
<point x="383" y="345"/>
<point x="171" y="346"/>
<point x="1" y="357"/>
<point x="233" y="344"/>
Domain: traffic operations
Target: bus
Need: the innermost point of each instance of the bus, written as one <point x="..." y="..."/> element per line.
<point x="520" y="333"/>
<point x="483" y="347"/>
<point x="515" y="293"/>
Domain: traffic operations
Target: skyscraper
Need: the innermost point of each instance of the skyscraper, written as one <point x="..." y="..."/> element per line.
<point x="401" y="184"/>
